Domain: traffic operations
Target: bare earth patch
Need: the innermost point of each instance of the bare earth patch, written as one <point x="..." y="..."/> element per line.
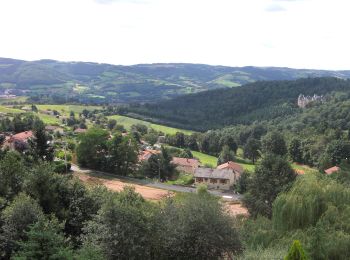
<point x="116" y="185"/>
<point x="235" y="209"/>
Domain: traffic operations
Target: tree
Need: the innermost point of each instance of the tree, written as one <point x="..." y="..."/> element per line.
<point x="243" y="182"/>
<point x="17" y="218"/>
<point x="40" y="147"/>
<point x="122" y="227"/>
<point x="295" y="151"/>
<point x="271" y="177"/>
<point x="180" y="139"/>
<point x="45" y="240"/>
<point x="111" y="124"/>
<point x="230" y="142"/>
<point x="151" y="137"/>
<point x="122" y="154"/>
<point x="338" y="150"/>
<point x="34" y="108"/>
<point x="142" y="129"/>
<point x="180" y="223"/>
<point x="191" y="142"/>
<point x="226" y="155"/>
<point x="296" y="252"/>
<point x="274" y="143"/>
<point x="92" y="148"/>
<point x="186" y="153"/>
<point x="12" y="173"/>
<point x="159" y="166"/>
<point x="251" y="149"/>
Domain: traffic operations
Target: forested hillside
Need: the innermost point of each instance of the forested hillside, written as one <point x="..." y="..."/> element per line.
<point x="260" y="101"/>
<point x="52" y="81"/>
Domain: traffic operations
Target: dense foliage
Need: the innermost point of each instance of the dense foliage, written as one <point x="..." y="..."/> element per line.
<point x="45" y="215"/>
<point x="265" y="100"/>
<point x="87" y="82"/>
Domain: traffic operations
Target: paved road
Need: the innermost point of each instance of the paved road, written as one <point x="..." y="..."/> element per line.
<point x="154" y="184"/>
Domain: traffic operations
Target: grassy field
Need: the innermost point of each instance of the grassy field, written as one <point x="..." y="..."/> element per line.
<point x="65" y="109"/>
<point x="127" y="122"/>
<point x="205" y="158"/>
<point x="4" y="109"/>
<point x="304" y="168"/>
<point x="48" y="119"/>
<point x="16" y="99"/>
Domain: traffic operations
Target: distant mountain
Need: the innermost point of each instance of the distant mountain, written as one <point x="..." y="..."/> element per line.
<point x="255" y="102"/>
<point x="105" y="83"/>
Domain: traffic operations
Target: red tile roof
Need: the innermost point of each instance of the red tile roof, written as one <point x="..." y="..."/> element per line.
<point x="146" y="154"/>
<point x="231" y="165"/>
<point x="185" y="162"/>
<point x="23" y="136"/>
<point x="332" y="170"/>
<point x="80" y="130"/>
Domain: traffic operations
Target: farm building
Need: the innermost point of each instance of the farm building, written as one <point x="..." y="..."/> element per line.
<point x="221" y="179"/>
<point x="235" y="168"/>
<point x="185" y="164"/>
<point x="18" y="141"/>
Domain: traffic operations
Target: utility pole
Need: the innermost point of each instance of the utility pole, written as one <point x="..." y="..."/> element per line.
<point x="158" y="160"/>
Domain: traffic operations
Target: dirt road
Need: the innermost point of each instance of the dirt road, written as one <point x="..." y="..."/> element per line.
<point x="118" y="185"/>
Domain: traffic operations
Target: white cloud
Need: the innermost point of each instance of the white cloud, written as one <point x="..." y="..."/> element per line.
<point x="275" y="8"/>
<point x="121" y="1"/>
<point x="309" y="33"/>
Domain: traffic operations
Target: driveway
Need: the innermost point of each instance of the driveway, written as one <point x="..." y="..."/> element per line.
<point x="120" y="181"/>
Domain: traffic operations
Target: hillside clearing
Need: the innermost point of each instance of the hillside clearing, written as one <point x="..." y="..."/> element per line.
<point x="127" y="122"/>
<point x="116" y="184"/>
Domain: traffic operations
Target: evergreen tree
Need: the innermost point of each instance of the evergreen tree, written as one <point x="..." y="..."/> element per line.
<point x="45" y="240"/>
<point x="296" y="252"/>
<point x="40" y="147"/>
<point x="16" y="220"/>
<point x="295" y="151"/>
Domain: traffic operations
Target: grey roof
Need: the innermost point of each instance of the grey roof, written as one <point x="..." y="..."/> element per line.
<point x="213" y="173"/>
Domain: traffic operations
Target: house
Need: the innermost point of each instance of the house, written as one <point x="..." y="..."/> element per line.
<point x="185" y="164"/>
<point x="80" y="131"/>
<point x="236" y="169"/>
<point x="221" y="179"/>
<point x="332" y="170"/>
<point x="146" y="154"/>
<point x="19" y="140"/>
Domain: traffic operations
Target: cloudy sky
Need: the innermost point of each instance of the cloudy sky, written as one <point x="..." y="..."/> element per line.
<point x="291" y="33"/>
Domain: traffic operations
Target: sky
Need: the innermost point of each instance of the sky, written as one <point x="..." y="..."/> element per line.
<point x="310" y="34"/>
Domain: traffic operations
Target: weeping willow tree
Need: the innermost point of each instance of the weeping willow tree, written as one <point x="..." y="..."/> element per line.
<point x="307" y="201"/>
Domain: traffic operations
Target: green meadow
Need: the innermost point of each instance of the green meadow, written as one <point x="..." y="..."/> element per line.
<point x="127" y="122"/>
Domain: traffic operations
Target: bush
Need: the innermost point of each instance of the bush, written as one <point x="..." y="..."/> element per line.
<point x="60" y="167"/>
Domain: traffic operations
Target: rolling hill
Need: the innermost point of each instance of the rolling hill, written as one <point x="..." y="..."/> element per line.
<point x="86" y="82"/>
<point x="255" y="102"/>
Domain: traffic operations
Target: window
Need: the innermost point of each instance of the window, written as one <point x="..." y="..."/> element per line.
<point x="199" y="179"/>
<point x="212" y="180"/>
<point x="223" y="181"/>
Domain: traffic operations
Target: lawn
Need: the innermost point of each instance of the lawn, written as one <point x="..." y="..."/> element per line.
<point x="206" y="159"/>
<point x="127" y="122"/>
